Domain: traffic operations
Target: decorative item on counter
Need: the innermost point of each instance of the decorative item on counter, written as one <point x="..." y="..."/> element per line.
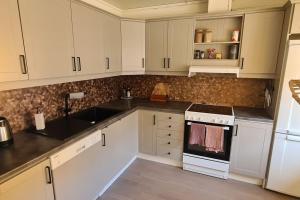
<point x="39" y="120"/>
<point x="233" y="51"/>
<point x="211" y="53"/>
<point x="218" y="56"/>
<point x="207" y="36"/>
<point x="6" y="134"/>
<point x="198" y="36"/>
<point x="160" y="93"/>
<point x="235" y="36"/>
<point x="295" y="89"/>
<point x="197" y="54"/>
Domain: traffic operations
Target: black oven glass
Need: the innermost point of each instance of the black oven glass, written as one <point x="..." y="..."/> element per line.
<point x="202" y="150"/>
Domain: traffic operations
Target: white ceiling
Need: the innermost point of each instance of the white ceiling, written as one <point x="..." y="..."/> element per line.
<point x="236" y="4"/>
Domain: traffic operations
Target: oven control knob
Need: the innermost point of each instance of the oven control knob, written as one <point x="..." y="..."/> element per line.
<point x="226" y="122"/>
<point x="213" y="120"/>
<point x="199" y="119"/>
<point x="191" y="118"/>
<point x="221" y="121"/>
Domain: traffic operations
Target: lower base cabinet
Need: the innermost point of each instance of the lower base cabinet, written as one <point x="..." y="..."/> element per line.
<point x="250" y="148"/>
<point x="161" y="134"/>
<point x="33" y="184"/>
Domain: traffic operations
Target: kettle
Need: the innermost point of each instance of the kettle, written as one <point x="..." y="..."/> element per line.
<point x="6" y="136"/>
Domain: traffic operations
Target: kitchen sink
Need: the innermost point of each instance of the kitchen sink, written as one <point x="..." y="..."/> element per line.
<point x="96" y="114"/>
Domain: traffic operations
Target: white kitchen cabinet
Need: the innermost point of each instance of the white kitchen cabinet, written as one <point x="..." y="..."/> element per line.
<point x="88" y="39"/>
<point x="161" y="134"/>
<point x="180" y="40"/>
<point x="12" y="54"/>
<point x="156" y="45"/>
<point x="31" y="184"/>
<point x="120" y="146"/>
<point x="112" y="43"/>
<point x="260" y="44"/>
<point x="48" y="39"/>
<point x="250" y="148"/>
<point x="295" y="28"/>
<point x="133" y="46"/>
<point x="147" y="135"/>
<point x="169" y="45"/>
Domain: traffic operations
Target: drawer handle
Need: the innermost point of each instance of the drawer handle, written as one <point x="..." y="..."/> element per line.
<point x="169" y="153"/>
<point x="169" y="142"/>
<point x="48" y="175"/>
<point x="169" y="134"/>
<point x="170" y="126"/>
<point x="170" y="117"/>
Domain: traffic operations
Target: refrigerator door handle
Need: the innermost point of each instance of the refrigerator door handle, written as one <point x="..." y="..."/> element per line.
<point x="293" y="138"/>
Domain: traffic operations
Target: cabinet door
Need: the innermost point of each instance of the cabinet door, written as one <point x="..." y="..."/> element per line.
<point x="156" y="45"/>
<point x="180" y="40"/>
<point x="133" y="46"/>
<point x="250" y="148"/>
<point x="11" y="48"/>
<point x="112" y="43"/>
<point x="295" y="29"/>
<point x="47" y="29"/>
<point x="88" y="38"/>
<point x="31" y="184"/>
<point x="260" y="43"/>
<point x="147" y="139"/>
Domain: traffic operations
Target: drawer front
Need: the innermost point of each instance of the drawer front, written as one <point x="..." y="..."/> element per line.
<point x="171" y="153"/>
<point x="170" y="134"/>
<point x="170" y="125"/>
<point x="170" y="117"/>
<point x="169" y="143"/>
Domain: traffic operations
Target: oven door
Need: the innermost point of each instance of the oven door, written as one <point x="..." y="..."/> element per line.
<point x="202" y="150"/>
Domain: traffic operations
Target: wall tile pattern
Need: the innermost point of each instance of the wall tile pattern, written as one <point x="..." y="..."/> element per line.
<point x="19" y="106"/>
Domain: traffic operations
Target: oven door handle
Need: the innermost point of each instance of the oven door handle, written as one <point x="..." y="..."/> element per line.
<point x="224" y="127"/>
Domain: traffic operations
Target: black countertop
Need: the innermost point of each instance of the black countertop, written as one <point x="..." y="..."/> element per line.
<point x="30" y="149"/>
<point x="252" y="114"/>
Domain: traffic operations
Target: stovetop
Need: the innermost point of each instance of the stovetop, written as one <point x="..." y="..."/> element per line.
<point x="202" y="108"/>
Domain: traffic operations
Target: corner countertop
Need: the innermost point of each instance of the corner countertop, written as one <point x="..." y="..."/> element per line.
<point x="30" y="149"/>
<point x="252" y="114"/>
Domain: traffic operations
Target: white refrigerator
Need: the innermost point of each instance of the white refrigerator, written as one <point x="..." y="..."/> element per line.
<point x="284" y="170"/>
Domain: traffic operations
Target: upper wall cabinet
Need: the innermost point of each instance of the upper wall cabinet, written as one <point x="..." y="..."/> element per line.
<point x="133" y="46"/>
<point x="260" y="44"/>
<point x="295" y="29"/>
<point x="112" y="43"/>
<point x="12" y="55"/>
<point x="88" y="39"/>
<point x="169" y="45"/>
<point x="48" y="39"/>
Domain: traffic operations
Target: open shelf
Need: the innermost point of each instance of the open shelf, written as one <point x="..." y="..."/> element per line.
<point x="215" y="62"/>
<point x="212" y="43"/>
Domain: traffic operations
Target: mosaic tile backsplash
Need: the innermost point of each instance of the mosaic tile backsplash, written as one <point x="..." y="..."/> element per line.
<point x="19" y="106"/>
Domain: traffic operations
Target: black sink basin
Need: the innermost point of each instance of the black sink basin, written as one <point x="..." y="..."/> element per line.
<point x="96" y="114"/>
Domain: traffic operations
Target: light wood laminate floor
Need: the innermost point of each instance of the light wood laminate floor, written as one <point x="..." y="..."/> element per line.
<point x="146" y="180"/>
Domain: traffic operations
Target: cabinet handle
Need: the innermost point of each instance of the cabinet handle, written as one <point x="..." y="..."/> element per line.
<point x="170" y="126"/>
<point x="169" y="142"/>
<point x="169" y="60"/>
<point x="74" y="64"/>
<point x="23" y="64"/>
<point x="79" y="63"/>
<point x="107" y="63"/>
<point x="242" y="65"/>
<point x="169" y="153"/>
<point x="235" y="130"/>
<point x="154" y="120"/>
<point x="170" y="117"/>
<point x="103" y="140"/>
<point x="48" y="175"/>
<point x="164" y="62"/>
<point x="143" y="62"/>
<point x="169" y="134"/>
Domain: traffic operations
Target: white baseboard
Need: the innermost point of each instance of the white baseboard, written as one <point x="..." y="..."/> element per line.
<point x="246" y="179"/>
<point x="160" y="160"/>
<point x="116" y="177"/>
